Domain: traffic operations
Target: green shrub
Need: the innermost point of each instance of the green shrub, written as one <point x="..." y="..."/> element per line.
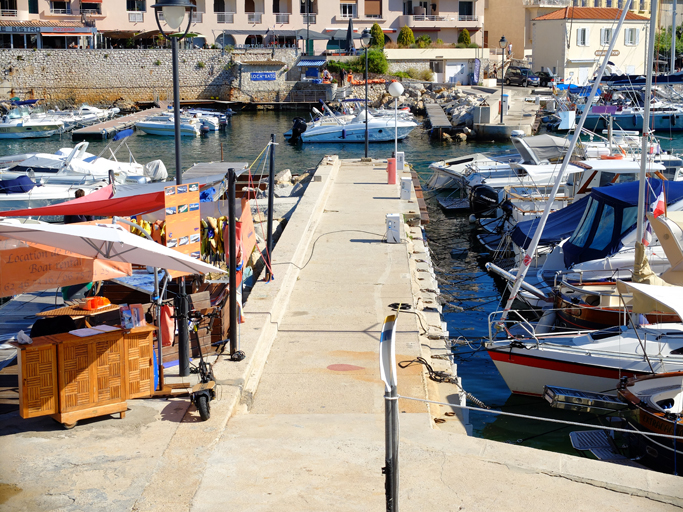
<point x="200" y="64"/>
<point x="377" y="36"/>
<point x="423" y="41"/>
<point x="405" y="37"/>
<point x="473" y="45"/>
<point x="464" y="37"/>
<point x="106" y="55"/>
<point x="426" y="75"/>
<point x="214" y="47"/>
<point x="402" y="74"/>
<point x="413" y="73"/>
<point x="439" y="41"/>
<point x="377" y="62"/>
<point x="460" y="45"/>
<point x="157" y="62"/>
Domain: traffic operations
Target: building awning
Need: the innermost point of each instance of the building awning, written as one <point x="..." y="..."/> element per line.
<point x="91" y="1"/>
<point x="65" y="34"/>
<point x="254" y="32"/>
<point x="311" y="63"/>
<point x="147" y="35"/>
<point x="119" y="34"/>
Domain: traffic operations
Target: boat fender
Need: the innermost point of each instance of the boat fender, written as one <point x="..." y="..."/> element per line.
<point x="343" y="133"/>
<point x="635" y="120"/>
<point x="611" y="157"/>
<point x="673" y="119"/>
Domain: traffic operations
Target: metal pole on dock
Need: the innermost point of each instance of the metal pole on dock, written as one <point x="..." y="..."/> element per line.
<point x="232" y="244"/>
<point x="182" y="313"/>
<point x="388" y="374"/>
<point x="271" y="196"/>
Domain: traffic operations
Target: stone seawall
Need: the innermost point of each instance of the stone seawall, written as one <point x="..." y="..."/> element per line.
<point x="105" y="76"/>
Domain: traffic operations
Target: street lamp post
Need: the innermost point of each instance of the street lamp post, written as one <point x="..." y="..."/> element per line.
<point x="365" y="39"/>
<point x="396" y="89"/>
<point x="502" y="43"/>
<point x="174" y="14"/>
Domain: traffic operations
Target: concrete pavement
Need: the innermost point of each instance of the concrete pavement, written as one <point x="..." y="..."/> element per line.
<point x="300" y="422"/>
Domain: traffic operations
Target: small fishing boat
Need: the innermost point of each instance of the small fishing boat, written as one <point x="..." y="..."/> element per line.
<point x="656" y="403"/>
<point x="18" y="124"/>
<point x="380" y="129"/>
<point x="23" y="192"/>
<point x="164" y="125"/>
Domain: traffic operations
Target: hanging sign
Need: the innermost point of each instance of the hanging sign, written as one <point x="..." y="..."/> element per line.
<point x="602" y="53"/>
<point x="183" y="232"/>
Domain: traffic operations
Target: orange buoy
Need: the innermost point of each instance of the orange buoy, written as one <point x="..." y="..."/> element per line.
<point x="611" y="157"/>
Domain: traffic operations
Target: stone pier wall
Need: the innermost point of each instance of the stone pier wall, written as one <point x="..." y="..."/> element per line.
<point x="105" y="76"/>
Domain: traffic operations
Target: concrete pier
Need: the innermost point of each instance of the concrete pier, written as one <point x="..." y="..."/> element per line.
<point x="300" y="422"/>
<point x="521" y="115"/>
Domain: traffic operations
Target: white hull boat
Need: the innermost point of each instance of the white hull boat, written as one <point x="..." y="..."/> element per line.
<point x="337" y="130"/>
<point x="164" y="126"/>
<point x="19" y="124"/>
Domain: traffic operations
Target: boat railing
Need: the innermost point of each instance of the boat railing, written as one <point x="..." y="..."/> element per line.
<point x="562" y="275"/>
<point x="516" y="326"/>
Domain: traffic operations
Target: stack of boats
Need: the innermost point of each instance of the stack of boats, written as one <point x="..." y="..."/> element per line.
<point x="28" y="120"/>
<point x="39" y="179"/>
<point x="600" y="314"/>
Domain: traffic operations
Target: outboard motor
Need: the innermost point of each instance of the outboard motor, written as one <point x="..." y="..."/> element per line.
<point x="298" y="128"/>
<point x="483" y="201"/>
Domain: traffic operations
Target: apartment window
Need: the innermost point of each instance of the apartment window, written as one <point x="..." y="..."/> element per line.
<point x="631" y="36"/>
<point x="303" y="7"/>
<point x="60" y="7"/>
<point x="33" y="6"/>
<point x="91" y="8"/>
<point x="605" y="36"/>
<point x="347" y="10"/>
<point x="582" y="37"/>
<point x="436" y="66"/>
<point x="373" y="8"/>
<point x="466" y="8"/>
<point x="135" y="6"/>
<point x="408" y="7"/>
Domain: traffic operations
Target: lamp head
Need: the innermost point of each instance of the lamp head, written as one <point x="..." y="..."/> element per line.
<point x="174" y="11"/>
<point x="503" y="42"/>
<point x="396" y="89"/>
<point x="365" y="38"/>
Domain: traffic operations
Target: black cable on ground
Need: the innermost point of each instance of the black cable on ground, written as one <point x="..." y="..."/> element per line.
<point x="402" y="307"/>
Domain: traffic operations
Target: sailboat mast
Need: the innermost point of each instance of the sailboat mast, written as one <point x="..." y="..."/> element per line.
<point x="673" y="36"/>
<point x="524" y="267"/>
<point x="646" y="123"/>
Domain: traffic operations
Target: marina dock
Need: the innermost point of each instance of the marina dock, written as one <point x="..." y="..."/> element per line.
<point x="299" y="425"/>
<point x="437" y="117"/>
<point x="108" y="129"/>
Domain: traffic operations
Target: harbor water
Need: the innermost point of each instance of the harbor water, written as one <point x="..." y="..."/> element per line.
<point x="470" y="293"/>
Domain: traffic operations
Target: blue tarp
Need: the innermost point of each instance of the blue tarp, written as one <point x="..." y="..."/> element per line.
<point x="17" y="185"/>
<point x="610" y="214"/>
<point x="560" y="225"/>
<point x="578" y="91"/>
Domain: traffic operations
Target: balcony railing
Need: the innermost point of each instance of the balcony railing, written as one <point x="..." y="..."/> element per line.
<point x="136" y="17"/>
<point x="348" y="16"/>
<point x="60" y="11"/>
<point x="197" y="17"/>
<point x="547" y="3"/>
<point x="91" y="11"/>
<point x="311" y="18"/>
<point x="10" y="13"/>
<point x="226" y="17"/>
<point x="374" y="16"/>
<point x="467" y="17"/>
<point x="425" y="17"/>
<point x="254" y="17"/>
<point x="282" y="18"/>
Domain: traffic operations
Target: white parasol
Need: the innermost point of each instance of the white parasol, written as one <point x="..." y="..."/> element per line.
<point x="106" y="241"/>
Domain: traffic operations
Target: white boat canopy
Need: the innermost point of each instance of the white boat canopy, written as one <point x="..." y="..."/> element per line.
<point x="648" y="298"/>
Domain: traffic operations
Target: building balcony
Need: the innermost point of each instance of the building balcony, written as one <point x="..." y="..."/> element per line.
<point x="548" y="3"/>
<point x="8" y="13"/>
<point x="254" y="18"/>
<point x="282" y="18"/>
<point x="91" y="12"/>
<point x="310" y="18"/>
<point x="136" y="17"/>
<point x="439" y="20"/>
<point x="60" y="11"/>
<point x="225" y="17"/>
<point x="197" y="17"/>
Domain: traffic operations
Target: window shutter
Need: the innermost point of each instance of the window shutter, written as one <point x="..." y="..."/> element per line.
<point x="588" y="35"/>
<point x="602" y="36"/>
<point x="637" y="35"/>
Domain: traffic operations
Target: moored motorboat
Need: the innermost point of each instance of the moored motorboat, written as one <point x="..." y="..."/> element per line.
<point x="164" y="125"/>
<point x="18" y="124"/>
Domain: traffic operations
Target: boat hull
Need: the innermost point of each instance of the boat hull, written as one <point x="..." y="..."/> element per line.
<point x="527" y="374"/>
<point x="21" y="132"/>
<point x="355" y="134"/>
<point x="163" y="131"/>
<point x="672" y="122"/>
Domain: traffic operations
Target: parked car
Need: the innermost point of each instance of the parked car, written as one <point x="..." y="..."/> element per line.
<point x="548" y="78"/>
<point x="521" y="76"/>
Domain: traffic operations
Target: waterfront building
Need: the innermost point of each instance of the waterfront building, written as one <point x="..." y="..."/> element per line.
<point x="249" y="22"/>
<point x="584" y="37"/>
<point x="513" y="18"/>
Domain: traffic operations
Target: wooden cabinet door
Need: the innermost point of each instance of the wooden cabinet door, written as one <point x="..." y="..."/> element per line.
<point x="38" y="392"/>
<point x="140" y="364"/>
<point x="91" y="372"/>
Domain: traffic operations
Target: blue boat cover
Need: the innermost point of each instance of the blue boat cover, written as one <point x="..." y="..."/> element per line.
<point x="560" y="225"/>
<point x="17" y="185"/>
<point x="123" y="134"/>
<point x="610" y="213"/>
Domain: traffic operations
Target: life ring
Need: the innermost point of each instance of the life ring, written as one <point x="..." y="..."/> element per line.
<point x="611" y="157"/>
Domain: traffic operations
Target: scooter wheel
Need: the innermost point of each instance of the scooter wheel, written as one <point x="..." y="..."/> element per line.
<point x="202" y="403"/>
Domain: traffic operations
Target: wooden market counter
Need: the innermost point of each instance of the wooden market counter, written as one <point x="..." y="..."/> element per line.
<point x="73" y="378"/>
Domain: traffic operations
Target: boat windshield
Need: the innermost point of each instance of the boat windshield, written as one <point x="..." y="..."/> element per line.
<point x="613" y="177"/>
<point x="581" y="234"/>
